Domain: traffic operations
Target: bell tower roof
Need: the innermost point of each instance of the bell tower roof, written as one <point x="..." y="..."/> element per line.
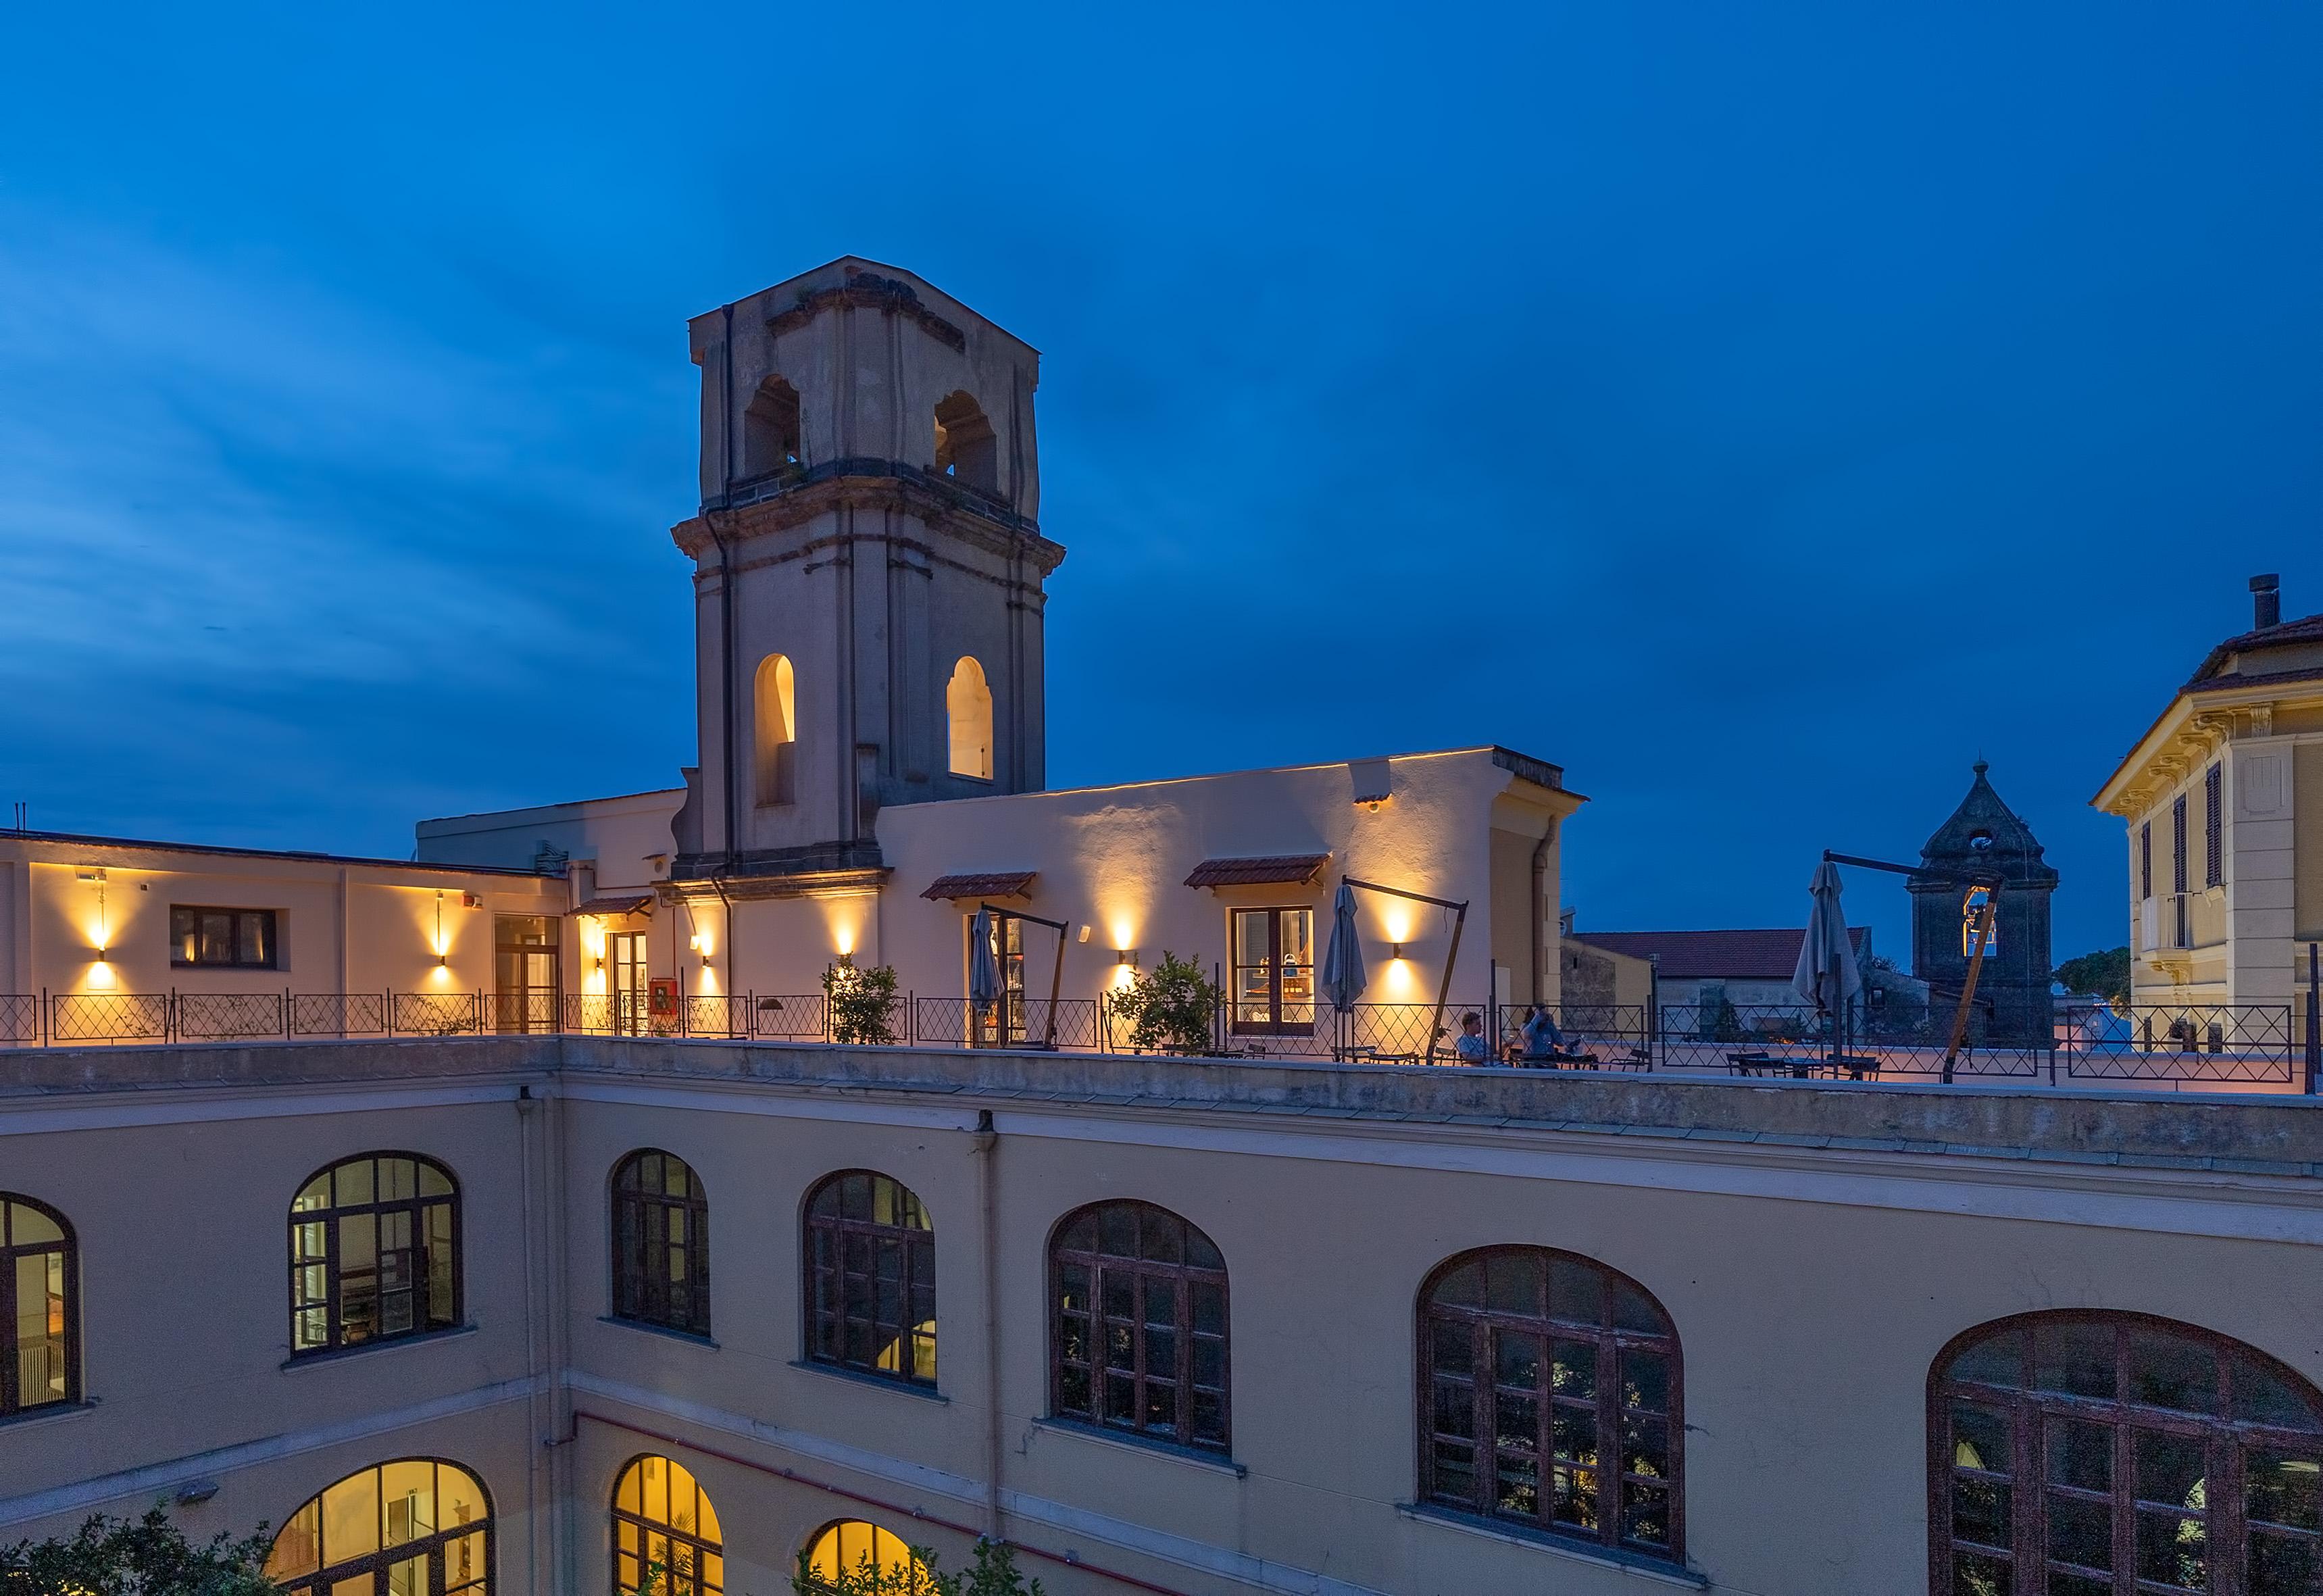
<point x="1985" y="835"/>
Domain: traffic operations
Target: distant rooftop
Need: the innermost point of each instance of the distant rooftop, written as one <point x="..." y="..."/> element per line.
<point x="1769" y="955"/>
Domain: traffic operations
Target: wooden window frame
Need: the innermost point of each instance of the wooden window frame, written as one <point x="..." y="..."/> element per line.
<point x="2145" y="858"/>
<point x="419" y="1209"/>
<point x="2214" y="826"/>
<point x="695" y="1581"/>
<point x="2030" y="1412"/>
<point x="12" y="1402"/>
<point x="1610" y="1343"/>
<point x="329" y="1576"/>
<point x="1096" y="1326"/>
<point x="642" y="1296"/>
<point x="1277" y="1026"/>
<point x="273" y="918"/>
<point x="832" y="1287"/>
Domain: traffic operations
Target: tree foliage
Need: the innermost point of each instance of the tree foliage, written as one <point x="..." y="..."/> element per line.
<point x="2098" y="975"/>
<point x="147" y="1557"/>
<point x="861" y="1003"/>
<point x="992" y="1572"/>
<point x="1172" y="1010"/>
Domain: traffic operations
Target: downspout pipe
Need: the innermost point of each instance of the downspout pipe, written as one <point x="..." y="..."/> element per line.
<point x="726" y="582"/>
<point x="984" y="1145"/>
<point x="1539" y="908"/>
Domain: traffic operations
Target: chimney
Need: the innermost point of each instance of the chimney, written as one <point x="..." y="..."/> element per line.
<point x="2266" y="602"/>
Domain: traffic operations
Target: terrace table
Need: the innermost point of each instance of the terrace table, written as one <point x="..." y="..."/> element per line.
<point x="1810" y="1067"/>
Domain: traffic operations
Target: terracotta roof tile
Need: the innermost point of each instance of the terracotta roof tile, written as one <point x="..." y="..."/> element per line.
<point x="991" y="884"/>
<point x="1281" y="869"/>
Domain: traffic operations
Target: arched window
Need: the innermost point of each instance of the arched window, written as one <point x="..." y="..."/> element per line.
<point x="770" y="430"/>
<point x="2113" y="1454"/>
<point x="666" y="1538"/>
<point x="853" y="1546"/>
<point x="1140" y="1324"/>
<point x="871" y="1294"/>
<point x="410" y="1528"/>
<point x="777" y="709"/>
<point x="967" y="703"/>
<point x="374" y="1253"/>
<point x="39" y="1303"/>
<point x="965" y="448"/>
<point x="1552" y="1399"/>
<point x="661" y="1243"/>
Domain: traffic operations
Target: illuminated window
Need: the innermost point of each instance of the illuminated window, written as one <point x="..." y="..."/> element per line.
<point x="1273" y="971"/>
<point x="231" y="939"/>
<point x="776" y="691"/>
<point x="871" y="1295"/>
<point x="1553" y="1399"/>
<point x="770" y="430"/>
<point x="965" y="451"/>
<point x="992" y="1026"/>
<point x="411" y="1528"/>
<point x="39" y="1302"/>
<point x="374" y="1253"/>
<point x="1140" y="1324"/>
<point x="1973" y="919"/>
<point x="666" y="1537"/>
<point x="968" y="706"/>
<point x="661" y="1243"/>
<point x="867" y="1551"/>
<point x="2112" y="1453"/>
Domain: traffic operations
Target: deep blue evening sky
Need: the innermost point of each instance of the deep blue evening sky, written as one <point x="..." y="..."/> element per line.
<point x="1759" y="409"/>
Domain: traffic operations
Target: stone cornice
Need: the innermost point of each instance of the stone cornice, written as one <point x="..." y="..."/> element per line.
<point x="875" y="485"/>
<point x="869" y="291"/>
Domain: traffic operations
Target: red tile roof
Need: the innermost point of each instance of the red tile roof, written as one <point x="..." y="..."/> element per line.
<point x="1770" y="955"/>
<point x="1279" y="869"/>
<point x="991" y="883"/>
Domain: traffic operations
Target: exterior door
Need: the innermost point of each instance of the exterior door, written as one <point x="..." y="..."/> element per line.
<point x="525" y="963"/>
<point x="988" y="1028"/>
<point x="1273" y="990"/>
<point x="631" y="982"/>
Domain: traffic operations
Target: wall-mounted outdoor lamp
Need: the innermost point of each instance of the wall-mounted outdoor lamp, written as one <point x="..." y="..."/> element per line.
<point x="1127" y="956"/>
<point x="1395" y="950"/>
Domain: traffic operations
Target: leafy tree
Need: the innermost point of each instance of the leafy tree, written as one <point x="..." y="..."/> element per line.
<point x="2098" y="975"/>
<point x="147" y="1557"/>
<point x="1172" y="1010"/>
<point x="861" y="1003"/>
<point x="993" y="1573"/>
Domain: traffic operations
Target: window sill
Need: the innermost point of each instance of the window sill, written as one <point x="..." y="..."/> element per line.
<point x="1214" y="1462"/>
<point x="926" y="1393"/>
<point x="388" y="1344"/>
<point x="48" y="1413"/>
<point x="1636" y="1562"/>
<point x="693" y="1336"/>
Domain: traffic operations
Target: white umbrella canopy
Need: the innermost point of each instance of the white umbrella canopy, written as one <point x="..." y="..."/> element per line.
<point x="1343" y="978"/>
<point x="1827" y="975"/>
<point x="983" y="969"/>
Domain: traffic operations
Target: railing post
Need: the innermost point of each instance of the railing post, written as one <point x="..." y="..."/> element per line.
<point x="2314" y="1018"/>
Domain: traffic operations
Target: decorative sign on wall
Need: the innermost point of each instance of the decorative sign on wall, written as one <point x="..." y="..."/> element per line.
<point x="661" y="998"/>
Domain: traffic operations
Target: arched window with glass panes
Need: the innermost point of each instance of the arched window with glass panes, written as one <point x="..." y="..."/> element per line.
<point x="1139" y="1327"/>
<point x="1552" y="1399"/>
<point x="661" y="1243"/>
<point x="2091" y="1453"/>
<point x="870" y="1264"/>
<point x="40" y="1305"/>
<point x="374" y="1253"/>
<point x="665" y="1536"/>
<point x="416" y="1526"/>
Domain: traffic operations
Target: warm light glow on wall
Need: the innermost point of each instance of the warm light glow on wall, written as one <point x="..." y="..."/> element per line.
<point x="1397" y="919"/>
<point x="1399" y="975"/>
<point x="100" y="975"/>
<point x="1124" y="975"/>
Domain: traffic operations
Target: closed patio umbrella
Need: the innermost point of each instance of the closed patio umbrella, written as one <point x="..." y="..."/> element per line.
<point x="1827" y="975"/>
<point x="983" y="968"/>
<point x="1343" y="961"/>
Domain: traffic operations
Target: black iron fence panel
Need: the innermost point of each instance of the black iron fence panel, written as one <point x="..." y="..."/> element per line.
<point x="2182" y="1044"/>
<point x="20" y="1018"/>
<point x="227" y="1016"/>
<point x="789" y="1017"/>
<point x="108" y="1016"/>
<point x="338" y="1013"/>
<point x="1786" y="1039"/>
<point x="725" y="1015"/>
<point x="436" y="1014"/>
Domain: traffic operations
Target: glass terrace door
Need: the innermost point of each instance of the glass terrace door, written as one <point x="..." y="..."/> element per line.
<point x="524" y="967"/>
<point x="986" y="1029"/>
<point x="1273" y="988"/>
<point x="626" y="952"/>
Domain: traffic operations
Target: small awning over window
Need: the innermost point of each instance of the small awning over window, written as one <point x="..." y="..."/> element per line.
<point x="622" y="904"/>
<point x="1280" y="869"/>
<point x="992" y="884"/>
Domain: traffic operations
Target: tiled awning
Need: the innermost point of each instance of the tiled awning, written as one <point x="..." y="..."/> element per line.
<point x="992" y="884"/>
<point x="623" y="903"/>
<point x="1281" y="869"/>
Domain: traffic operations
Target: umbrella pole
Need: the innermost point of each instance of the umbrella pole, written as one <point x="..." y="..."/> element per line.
<point x="1968" y="987"/>
<point x="1444" y="991"/>
<point x="1056" y="985"/>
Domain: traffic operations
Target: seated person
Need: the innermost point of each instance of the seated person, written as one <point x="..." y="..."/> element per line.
<point x="1543" y="1041"/>
<point x="1470" y="1048"/>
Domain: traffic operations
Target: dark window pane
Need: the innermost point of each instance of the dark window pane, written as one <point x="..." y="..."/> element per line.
<point x="2074" y="1584"/>
<point x="1645" y="1446"/>
<point x="1512" y="1282"/>
<point x="1517" y="1481"/>
<point x="2081" y="1532"/>
<point x="1576" y="1293"/>
<point x="1645" y="1380"/>
<point x="2282" y="1565"/>
<point x="1981" y="1511"/>
<point x="2281" y="1489"/>
<point x="1573" y="1433"/>
<point x="1454" y="1410"/>
<point x="1209" y="1417"/>
<point x="2264" y="1396"/>
<point x="1454" y="1348"/>
<point x="1980" y="1439"/>
<point x="1645" y="1515"/>
<point x="2075" y="1359"/>
<point x="1161" y="1238"/>
<point x="1120" y="1399"/>
<point x="1516" y="1359"/>
<point x="1073" y="1390"/>
<point x="1199" y="1254"/>
<point x="2081" y="1454"/>
<point x="1574" y="1374"/>
<point x="1161" y="1406"/>
<point x="2172" y="1550"/>
<point x="1975" y="1574"/>
<point x="1118" y="1230"/>
<point x="1462" y="1288"/>
<point x="2176" y="1372"/>
<point x="1072" y="1286"/>
<point x="1574" y="1498"/>
<point x="1120" y="1290"/>
<point x="1455" y="1468"/>
<point x="1997" y="1359"/>
<point x="1209" y="1361"/>
<point x="1081" y="1235"/>
<point x="2171" y="1469"/>
<point x="1516" y="1423"/>
<point x="1209" y="1305"/>
<point x="1633" y="1311"/>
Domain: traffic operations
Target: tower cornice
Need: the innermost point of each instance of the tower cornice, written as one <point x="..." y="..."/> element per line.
<point x="939" y="503"/>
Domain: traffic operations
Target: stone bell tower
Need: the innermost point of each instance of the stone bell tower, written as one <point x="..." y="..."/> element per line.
<point x="1986" y="841"/>
<point x="869" y="570"/>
